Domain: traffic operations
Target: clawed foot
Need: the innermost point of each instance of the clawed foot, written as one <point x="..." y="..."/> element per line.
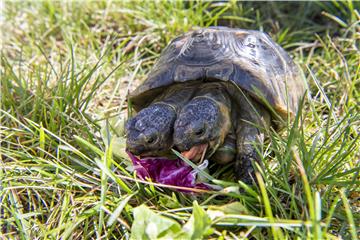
<point x="244" y="167"/>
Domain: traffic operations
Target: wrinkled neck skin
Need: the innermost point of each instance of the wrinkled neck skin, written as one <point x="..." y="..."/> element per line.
<point x="176" y="96"/>
<point x="150" y="132"/>
<point x="210" y="108"/>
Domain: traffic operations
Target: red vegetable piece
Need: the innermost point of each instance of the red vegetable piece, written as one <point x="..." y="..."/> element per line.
<point x="166" y="171"/>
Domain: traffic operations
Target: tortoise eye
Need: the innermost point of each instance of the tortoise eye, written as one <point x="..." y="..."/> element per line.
<point x="199" y="132"/>
<point x="150" y="140"/>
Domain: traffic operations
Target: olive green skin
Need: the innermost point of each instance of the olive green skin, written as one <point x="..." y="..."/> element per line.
<point x="257" y="74"/>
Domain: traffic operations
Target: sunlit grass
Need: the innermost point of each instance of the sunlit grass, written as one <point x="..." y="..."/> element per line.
<point x="65" y="71"/>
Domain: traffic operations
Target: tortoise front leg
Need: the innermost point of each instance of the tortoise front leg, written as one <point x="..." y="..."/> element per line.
<point x="249" y="136"/>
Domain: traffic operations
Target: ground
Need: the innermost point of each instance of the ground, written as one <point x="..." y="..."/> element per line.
<point x="66" y="68"/>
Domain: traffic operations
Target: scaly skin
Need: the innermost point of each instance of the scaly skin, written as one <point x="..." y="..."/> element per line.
<point x="205" y="119"/>
<point x="209" y="111"/>
<point x="150" y="132"/>
<point x="252" y="119"/>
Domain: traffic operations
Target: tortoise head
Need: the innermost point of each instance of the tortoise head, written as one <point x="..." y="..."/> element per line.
<point x="201" y="126"/>
<point x="150" y="131"/>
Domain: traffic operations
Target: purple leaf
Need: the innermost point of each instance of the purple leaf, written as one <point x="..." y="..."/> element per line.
<point x="166" y="171"/>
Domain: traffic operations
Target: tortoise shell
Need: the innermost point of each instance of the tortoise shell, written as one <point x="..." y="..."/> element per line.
<point x="248" y="58"/>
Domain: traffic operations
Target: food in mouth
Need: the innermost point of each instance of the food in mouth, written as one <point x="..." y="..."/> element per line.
<point x="173" y="172"/>
<point x="195" y="153"/>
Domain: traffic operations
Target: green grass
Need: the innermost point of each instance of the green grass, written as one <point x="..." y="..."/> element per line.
<point x="65" y="71"/>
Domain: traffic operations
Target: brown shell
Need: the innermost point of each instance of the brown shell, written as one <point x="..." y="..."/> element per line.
<point x="248" y="58"/>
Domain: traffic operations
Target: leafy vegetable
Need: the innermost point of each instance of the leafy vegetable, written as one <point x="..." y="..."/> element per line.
<point x="167" y="171"/>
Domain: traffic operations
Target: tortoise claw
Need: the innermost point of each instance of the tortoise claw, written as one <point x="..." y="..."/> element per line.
<point x="244" y="168"/>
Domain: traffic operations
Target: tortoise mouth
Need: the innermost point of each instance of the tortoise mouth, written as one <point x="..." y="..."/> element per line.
<point x="143" y="153"/>
<point x="155" y="153"/>
<point x="196" y="153"/>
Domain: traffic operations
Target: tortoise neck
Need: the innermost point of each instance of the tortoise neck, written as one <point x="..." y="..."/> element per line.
<point x="206" y="97"/>
<point x="166" y="104"/>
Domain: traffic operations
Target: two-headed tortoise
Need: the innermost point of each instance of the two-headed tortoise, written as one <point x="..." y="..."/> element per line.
<point x="210" y="85"/>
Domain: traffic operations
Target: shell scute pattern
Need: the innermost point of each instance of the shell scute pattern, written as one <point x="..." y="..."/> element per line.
<point x="204" y="49"/>
<point x="250" y="59"/>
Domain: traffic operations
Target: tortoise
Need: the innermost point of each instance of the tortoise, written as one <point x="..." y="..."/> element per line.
<point x="236" y="81"/>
